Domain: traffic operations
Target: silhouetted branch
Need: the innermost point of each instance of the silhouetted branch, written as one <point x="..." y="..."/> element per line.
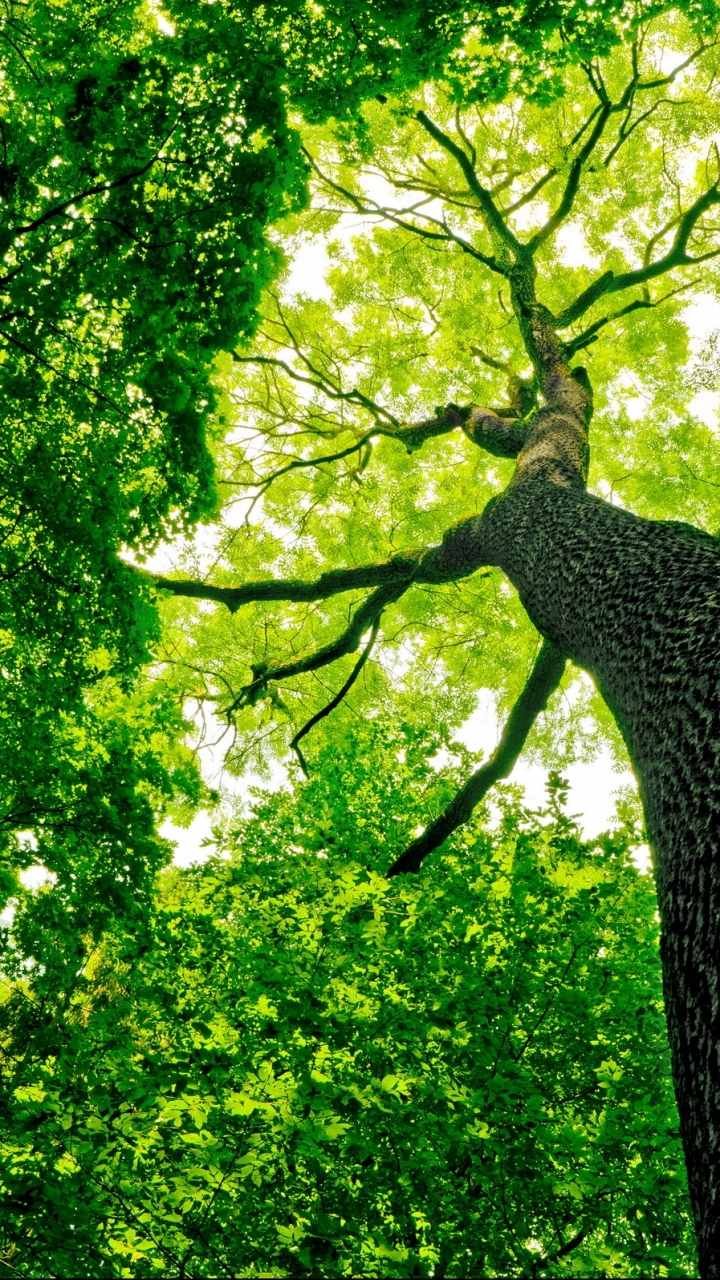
<point x="542" y="682"/>
<point x="447" y="418"/>
<point x="491" y="211"/>
<point x="541" y="1263"/>
<point x="590" y="334"/>
<point x="364" y="617"/>
<point x="371" y="208"/>
<point x="334" y="393"/>
<point x="400" y="568"/>
<point x="677" y="256"/>
<point x="334" y="702"/>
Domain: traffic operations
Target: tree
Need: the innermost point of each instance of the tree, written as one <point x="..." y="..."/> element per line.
<point x="141" y="168"/>
<point x="143" y="154"/>
<point x="627" y="155"/>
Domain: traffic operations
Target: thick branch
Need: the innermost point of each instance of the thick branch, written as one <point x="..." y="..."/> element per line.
<point x="399" y="569"/>
<point x="585" y="300"/>
<point x="542" y="682"/>
<point x="365" y="616"/>
<point x="500" y="436"/>
<point x="677" y="256"/>
<point x="572" y="185"/>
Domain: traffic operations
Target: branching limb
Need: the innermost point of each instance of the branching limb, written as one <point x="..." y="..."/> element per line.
<point x="334" y="393"/>
<point x="491" y="211"/>
<point x="98" y="189"/>
<point x="543" y="680"/>
<point x="365" y="616"/>
<point x="589" y="335"/>
<point x="572" y="185"/>
<point x="447" y="418"/>
<point x="677" y="256"/>
<point x="372" y="209"/>
<point x="334" y="702"/>
<point x="399" y="569"/>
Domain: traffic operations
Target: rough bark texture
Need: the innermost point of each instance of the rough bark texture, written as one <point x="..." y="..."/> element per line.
<point x="637" y="604"/>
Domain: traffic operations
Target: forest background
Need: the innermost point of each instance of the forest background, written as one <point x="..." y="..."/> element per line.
<point x="279" y="1062"/>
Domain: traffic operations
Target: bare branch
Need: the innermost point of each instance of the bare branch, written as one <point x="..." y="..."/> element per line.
<point x="334" y="702"/>
<point x="372" y="209"/>
<point x="321" y="384"/>
<point x="542" y="682"/>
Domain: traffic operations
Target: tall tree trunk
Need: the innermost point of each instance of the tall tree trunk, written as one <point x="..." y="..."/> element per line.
<point x="636" y="603"/>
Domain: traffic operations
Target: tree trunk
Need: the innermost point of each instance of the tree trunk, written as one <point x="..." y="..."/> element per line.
<point x="637" y="604"/>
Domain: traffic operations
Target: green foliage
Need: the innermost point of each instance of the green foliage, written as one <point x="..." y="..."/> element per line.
<point x="143" y="154"/>
<point x="280" y="1063"/>
<point x="404" y="323"/>
<point x="305" y="1069"/>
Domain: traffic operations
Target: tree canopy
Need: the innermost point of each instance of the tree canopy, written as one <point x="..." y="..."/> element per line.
<point x="283" y="1063"/>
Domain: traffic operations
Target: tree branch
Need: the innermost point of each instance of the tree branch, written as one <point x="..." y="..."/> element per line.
<point x="585" y="300"/>
<point x="502" y="437"/>
<point x="364" y="617"/>
<point x="542" y="682"/>
<point x="354" y="396"/>
<point x="84" y="195"/>
<point x="540" y="1263"/>
<point x="589" y="335"/>
<point x="399" y="569"/>
<point x="677" y="256"/>
<point x="372" y="209"/>
<point x="334" y="702"/>
<point x="493" y="215"/>
<point x="572" y="185"/>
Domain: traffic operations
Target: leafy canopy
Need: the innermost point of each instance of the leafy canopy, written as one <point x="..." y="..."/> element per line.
<point x="308" y="1070"/>
<point x="160" y="1106"/>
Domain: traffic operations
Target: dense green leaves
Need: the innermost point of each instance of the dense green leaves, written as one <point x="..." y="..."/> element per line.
<point x="308" y="1070"/>
<point x="280" y="1063"/>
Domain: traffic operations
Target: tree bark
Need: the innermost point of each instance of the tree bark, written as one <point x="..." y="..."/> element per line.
<point x="637" y="604"/>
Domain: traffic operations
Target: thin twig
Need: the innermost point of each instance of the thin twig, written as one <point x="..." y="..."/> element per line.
<point x="334" y="702"/>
